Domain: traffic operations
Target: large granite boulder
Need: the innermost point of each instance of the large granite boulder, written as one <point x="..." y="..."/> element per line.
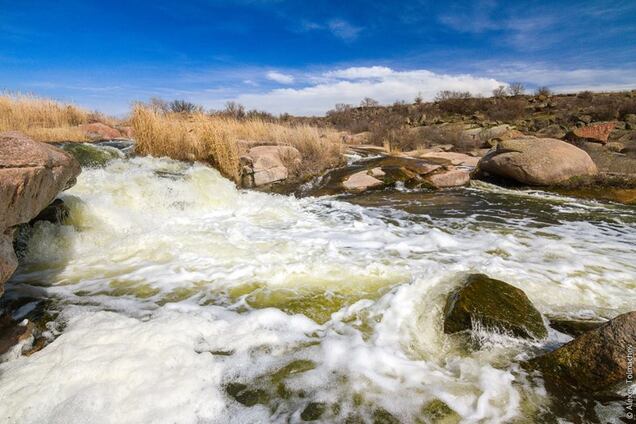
<point x="268" y="164"/>
<point x="593" y="362"/>
<point x="536" y="161"/>
<point x="494" y="305"/>
<point x="31" y="176"/>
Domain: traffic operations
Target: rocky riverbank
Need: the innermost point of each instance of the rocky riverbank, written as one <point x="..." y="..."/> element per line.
<point x="32" y="174"/>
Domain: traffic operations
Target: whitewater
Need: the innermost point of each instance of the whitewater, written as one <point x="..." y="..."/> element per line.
<point x="177" y="298"/>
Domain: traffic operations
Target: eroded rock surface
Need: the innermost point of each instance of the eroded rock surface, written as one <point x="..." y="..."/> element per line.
<point x="31" y="176"/>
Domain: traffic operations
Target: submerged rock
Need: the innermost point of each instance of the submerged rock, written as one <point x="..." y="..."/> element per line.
<point x="89" y="155"/>
<point x="495" y="305"/>
<point x="536" y="161"/>
<point x="13" y="332"/>
<point x="593" y="362"/>
<point x="54" y="213"/>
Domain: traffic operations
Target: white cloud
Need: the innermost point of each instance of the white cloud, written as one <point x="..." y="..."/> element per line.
<point x="351" y="85"/>
<point x="343" y="29"/>
<point x="280" y="78"/>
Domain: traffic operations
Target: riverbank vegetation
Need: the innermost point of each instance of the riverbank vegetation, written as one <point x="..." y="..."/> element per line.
<point x="42" y="119"/>
<point x="221" y="138"/>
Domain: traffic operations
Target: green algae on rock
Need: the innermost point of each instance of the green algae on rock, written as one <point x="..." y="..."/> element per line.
<point x="494" y="304"/>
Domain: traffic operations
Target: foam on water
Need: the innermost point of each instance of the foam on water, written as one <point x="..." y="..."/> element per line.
<point x="175" y="287"/>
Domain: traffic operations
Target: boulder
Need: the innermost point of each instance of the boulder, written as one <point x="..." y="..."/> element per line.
<point x="448" y="177"/>
<point x="100" y="131"/>
<point x="593" y="362"/>
<point x="31" y="176"/>
<point x="268" y="164"/>
<point x="361" y="181"/>
<point x="495" y="305"/>
<point x="536" y="161"/>
<point x="594" y="132"/>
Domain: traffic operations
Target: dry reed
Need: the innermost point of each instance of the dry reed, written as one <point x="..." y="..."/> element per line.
<point x="42" y="119"/>
<point x="215" y="139"/>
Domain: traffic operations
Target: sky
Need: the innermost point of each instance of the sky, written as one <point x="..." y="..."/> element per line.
<point x="303" y="57"/>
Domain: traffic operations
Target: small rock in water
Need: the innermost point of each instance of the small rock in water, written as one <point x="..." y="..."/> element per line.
<point x="90" y="155"/>
<point x="574" y="327"/>
<point x="494" y="304"/>
<point x="361" y="181"/>
<point x="596" y="361"/>
<point x="313" y="411"/>
<point x="54" y="213"/>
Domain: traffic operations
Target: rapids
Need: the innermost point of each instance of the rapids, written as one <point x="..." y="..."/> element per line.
<point x="176" y="297"/>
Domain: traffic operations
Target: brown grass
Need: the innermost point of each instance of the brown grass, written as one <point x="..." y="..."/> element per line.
<point x="42" y="119"/>
<point x="214" y="139"/>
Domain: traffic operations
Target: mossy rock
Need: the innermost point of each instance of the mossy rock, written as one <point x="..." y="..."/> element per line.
<point x="593" y="362"/>
<point x="92" y="156"/>
<point x="494" y="304"/>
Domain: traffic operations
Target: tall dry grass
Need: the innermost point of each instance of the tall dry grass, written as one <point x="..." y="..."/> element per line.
<point x="42" y="119"/>
<point x="215" y="139"/>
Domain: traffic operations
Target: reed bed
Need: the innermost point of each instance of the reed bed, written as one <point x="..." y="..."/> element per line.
<point x="215" y="139"/>
<point x="42" y="119"/>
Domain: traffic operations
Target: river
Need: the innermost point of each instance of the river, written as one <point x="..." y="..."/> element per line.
<point x="176" y="298"/>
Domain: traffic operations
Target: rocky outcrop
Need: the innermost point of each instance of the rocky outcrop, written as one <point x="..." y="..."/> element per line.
<point x="495" y="305"/>
<point x="536" y="161"/>
<point x="99" y="131"/>
<point x="593" y="362"/>
<point x="31" y="176"/>
<point x="263" y="165"/>
<point x="598" y="132"/>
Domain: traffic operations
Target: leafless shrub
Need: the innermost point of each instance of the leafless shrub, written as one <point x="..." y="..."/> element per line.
<point x="516" y="89"/>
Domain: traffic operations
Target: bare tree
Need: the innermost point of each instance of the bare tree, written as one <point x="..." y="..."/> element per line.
<point x="158" y="105"/>
<point x="418" y="98"/>
<point x="499" y="91"/>
<point x="234" y="109"/>
<point x="183" y="106"/>
<point x="369" y="102"/>
<point x="543" y="91"/>
<point x="452" y="95"/>
<point x="516" y="89"/>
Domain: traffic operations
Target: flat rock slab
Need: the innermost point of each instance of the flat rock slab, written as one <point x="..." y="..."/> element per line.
<point x="361" y="181"/>
<point x="448" y="178"/>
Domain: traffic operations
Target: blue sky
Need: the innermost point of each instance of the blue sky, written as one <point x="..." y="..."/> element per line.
<point x="304" y="56"/>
